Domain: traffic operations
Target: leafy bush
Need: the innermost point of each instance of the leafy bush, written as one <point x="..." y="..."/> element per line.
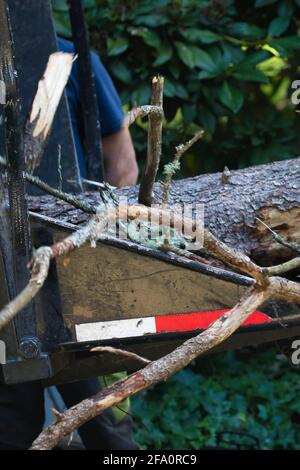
<point x="224" y="392"/>
<point x="228" y="67"/>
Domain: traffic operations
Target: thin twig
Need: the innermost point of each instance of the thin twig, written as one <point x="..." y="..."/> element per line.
<point x="121" y="352"/>
<point x="279" y="239"/>
<point x="171" y="168"/>
<point x="283" y="267"/>
<point x="184" y="253"/>
<point x="154" y="144"/>
<point x="67" y="197"/>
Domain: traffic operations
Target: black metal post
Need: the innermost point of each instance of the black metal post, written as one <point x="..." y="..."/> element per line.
<point x="25" y="322"/>
<point x="91" y="118"/>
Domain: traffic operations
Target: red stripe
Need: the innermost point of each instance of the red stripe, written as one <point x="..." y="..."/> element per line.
<point x="201" y="320"/>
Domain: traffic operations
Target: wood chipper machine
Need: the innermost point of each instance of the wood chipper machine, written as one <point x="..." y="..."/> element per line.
<point x="120" y="294"/>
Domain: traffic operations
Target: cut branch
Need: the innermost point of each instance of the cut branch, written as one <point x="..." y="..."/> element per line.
<point x="154" y="144"/>
<point x="159" y="370"/>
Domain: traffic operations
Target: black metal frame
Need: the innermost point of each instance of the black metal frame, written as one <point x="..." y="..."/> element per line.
<point x="30" y="360"/>
<point x="89" y="105"/>
<point x="25" y="323"/>
<point x="15" y="239"/>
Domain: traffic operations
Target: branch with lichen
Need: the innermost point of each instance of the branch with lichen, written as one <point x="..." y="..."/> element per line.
<point x="142" y="111"/>
<point x="154" y="143"/>
<point x="171" y="168"/>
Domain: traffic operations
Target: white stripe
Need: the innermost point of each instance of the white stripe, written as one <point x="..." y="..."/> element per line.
<point x="115" y="329"/>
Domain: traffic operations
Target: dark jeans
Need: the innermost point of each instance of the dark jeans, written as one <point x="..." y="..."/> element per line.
<point x="22" y="417"/>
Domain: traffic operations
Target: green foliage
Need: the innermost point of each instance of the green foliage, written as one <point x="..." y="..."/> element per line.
<point x="223" y="62"/>
<point x="227" y="65"/>
<point x="224" y="392"/>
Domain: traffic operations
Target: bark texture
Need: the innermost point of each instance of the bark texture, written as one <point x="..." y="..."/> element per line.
<point x="270" y="192"/>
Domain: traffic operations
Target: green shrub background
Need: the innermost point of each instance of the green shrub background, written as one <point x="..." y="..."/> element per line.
<point x="254" y="392"/>
<point x="228" y="68"/>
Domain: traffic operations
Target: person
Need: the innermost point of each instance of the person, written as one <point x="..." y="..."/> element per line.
<point x="22" y="408"/>
<point x="120" y="164"/>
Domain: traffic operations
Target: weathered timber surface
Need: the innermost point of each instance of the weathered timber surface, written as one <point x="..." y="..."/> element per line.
<point x="270" y="192"/>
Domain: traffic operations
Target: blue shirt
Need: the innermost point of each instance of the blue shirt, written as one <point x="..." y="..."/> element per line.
<point x="110" y="107"/>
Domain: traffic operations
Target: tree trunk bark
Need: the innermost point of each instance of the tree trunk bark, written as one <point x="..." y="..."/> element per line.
<point x="232" y="201"/>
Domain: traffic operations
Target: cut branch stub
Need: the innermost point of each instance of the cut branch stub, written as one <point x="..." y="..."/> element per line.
<point x="154" y="143"/>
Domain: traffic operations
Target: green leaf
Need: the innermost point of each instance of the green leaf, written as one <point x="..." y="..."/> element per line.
<point x="62" y="23"/>
<point x="231" y="97"/>
<point x="203" y="35"/>
<point x="180" y="91"/>
<point x="207" y="75"/>
<point x="208" y="120"/>
<point x="116" y="46"/>
<point x="174" y="68"/>
<point x="149" y="37"/>
<point x="285" y="46"/>
<point x="164" y="54"/>
<point x="60" y="5"/>
<point x="246" y="31"/>
<point x="141" y="95"/>
<point x="185" y="54"/>
<point x="285" y="9"/>
<point x="153" y="21"/>
<point x="232" y="53"/>
<point x="249" y="73"/>
<point x="169" y="89"/>
<point x="60" y="14"/>
<point x="202" y="59"/>
<point x="279" y="25"/>
<point x="257" y="57"/>
<point x="121" y="71"/>
<point x="193" y="56"/>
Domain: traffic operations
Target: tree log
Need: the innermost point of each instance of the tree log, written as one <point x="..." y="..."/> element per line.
<point x="232" y="201"/>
